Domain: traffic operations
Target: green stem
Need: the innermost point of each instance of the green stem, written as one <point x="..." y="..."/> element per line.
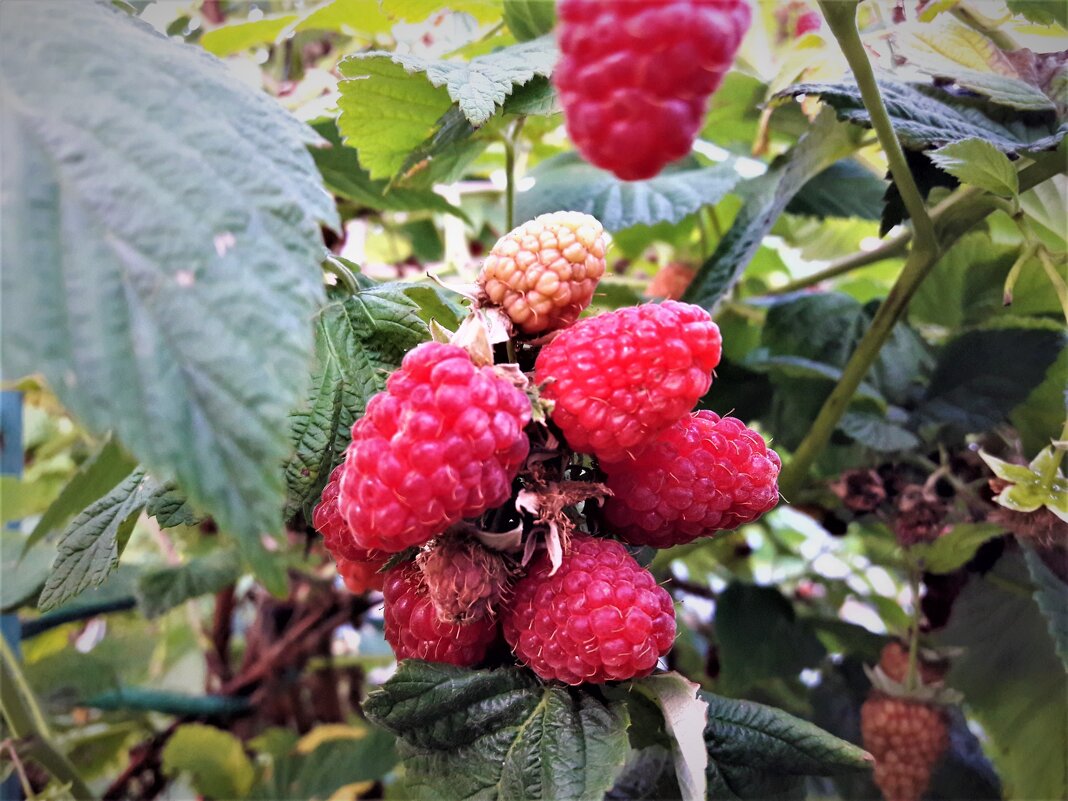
<point x="26" y="722"/>
<point x="343" y="273"/>
<point x="842" y="20"/>
<point x="510" y="141"/>
<point x="959" y="213"/>
<point x="1014" y="273"/>
<point x="914" y="630"/>
<point x="987" y="27"/>
<point x="890" y="249"/>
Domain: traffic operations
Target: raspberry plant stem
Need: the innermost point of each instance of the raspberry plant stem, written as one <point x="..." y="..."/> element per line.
<point x="956" y="215"/>
<point x="914" y="629"/>
<point x="842" y="20"/>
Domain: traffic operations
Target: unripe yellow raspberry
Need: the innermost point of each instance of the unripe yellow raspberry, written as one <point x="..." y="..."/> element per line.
<point x="544" y="272"/>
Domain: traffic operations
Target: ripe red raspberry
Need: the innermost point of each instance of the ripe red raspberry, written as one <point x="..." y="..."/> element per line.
<point x="415" y="632"/>
<point x="601" y="617"/>
<point x="634" y="77"/>
<point x="442" y="443"/>
<point x="464" y="580"/>
<point x="544" y="272"/>
<point x="704" y="474"/>
<point x="907" y="738"/>
<point x="619" y="378"/>
<point x="362" y="575"/>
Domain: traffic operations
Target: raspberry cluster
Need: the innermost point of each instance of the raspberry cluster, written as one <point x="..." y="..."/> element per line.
<point x="437" y="474"/>
<point x="634" y="78"/>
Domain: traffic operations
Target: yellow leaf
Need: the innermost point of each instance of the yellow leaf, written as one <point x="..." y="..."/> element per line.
<point x="327" y="733"/>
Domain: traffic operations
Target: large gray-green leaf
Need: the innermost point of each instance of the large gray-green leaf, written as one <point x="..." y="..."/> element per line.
<point x="765" y="199"/>
<point x="567" y="183"/>
<point x="1013" y="682"/>
<point x="845" y="189"/>
<point x="90" y="547"/>
<point x="761" y="637"/>
<point x="499" y="734"/>
<point x="359" y="340"/>
<point x="160" y="251"/>
<point x="1050" y="594"/>
<point x="926" y="117"/>
<point x="164" y="588"/>
<point x="982" y="375"/>
<point x="759" y="752"/>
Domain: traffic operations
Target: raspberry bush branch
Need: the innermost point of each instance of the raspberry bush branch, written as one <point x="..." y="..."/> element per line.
<point x="965" y="209"/>
<point x="841" y="17"/>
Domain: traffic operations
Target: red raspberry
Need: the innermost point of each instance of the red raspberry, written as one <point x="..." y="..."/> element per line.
<point x="601" y="617"/>
<point x="634" y="78"/>
<point x="544" y="272"/>
<point x="621" y="377"/>
<point x="464" y="580"/>
<point x="415" y="632"/>
<point x="362" y="575"/>
<point x="442" y="443"/>
<point x="907" y="738"/>
<point x="702" y="475"/>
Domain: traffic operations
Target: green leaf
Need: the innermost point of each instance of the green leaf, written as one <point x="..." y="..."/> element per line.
<point x="1042" y="414"/>
<point x="1004" y="90"/>
<point x="359" y="341"/>
<point x="343" y="175"/>
<point x="1012" y="680"/>
<point x="760" y="637"/>
<point x="845" y="189"/>
<point x="1050" y="592"/>
<point x="352" y="17"/>
<point x="98" y="474"/>
<point x="979" y="163"/>
<point x="162" y="226"/>
<point x="214" y="759"/>
<point x="759" y="752"/>
<point x="982" y="375"/>
<point x="89" y="548"/>
<point x="499" y="734"/>
<point x="956" y="547"/>
<point x="529" y="19"/>
<point x="418" y="10"/>
<point x="877" y="433"/>
<point x="237" y="36"/>
<point x="22" y="574"/>
<point x="927" y="117"/>
<point x="482" y="84"/>
<point x="164" y="588"/>
<point x="566" y="182"/>
<point x="966" y="286"/>
<point x="765" y="199"/>
<point x="171" y="508"/>
<point x="685" y="714"/>
<point x="1041" y="12"/>
<point x="386" y="112"/>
